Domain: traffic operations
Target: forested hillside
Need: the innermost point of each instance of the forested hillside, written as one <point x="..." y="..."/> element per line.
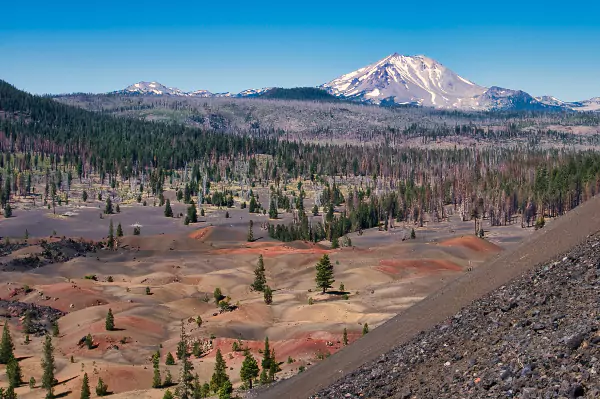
<point x="299" y="93"/>
<point x="382" y="182"/>
<point x="342" y="122"/>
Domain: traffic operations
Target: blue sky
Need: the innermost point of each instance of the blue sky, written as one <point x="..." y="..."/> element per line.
<point x="67" y="46"/>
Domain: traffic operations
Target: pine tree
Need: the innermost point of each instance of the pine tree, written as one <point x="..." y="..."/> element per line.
<point x="27" y="324"/>
<point x="89" y="341"/>
<point x="9" y="394"/>
<point x="111" y="235"/>
<point x="226" y="390"/>
<point x="249" y="369"/>
<point x="266" y="362"/>
<point x="170" y="360"/>
<point x="101" y="388"/>
<point x="85" y="387"/>
<point x="168" y="379"/>
<point x="252" y="207"/>
<point x="259" y="275"/>
<point x="55" y="329"/>
<point x="272" y="210"/>
<point x="168" y="210"/>
<point x="273" y="370"/>
<point x="110" y="321"/>
<point x="192" y="213"/>
<point x="250" y="237"/>
<point x="7" y="211"/>
<point x="197" y="388"/>
<point x="156" y="380"/>
<point x="345" y="337"/>
<point x="268" y="295"/>
<point x="168" y="395"/>
<point x="6" y="345"/>
<point x="335" y="242"/>
<point x="108" y="209"/>
<point x="185" y="389"/>
<point x="219" y="376"/>
<point x="324" y="278"/>
<point x="32" y="383"/>
<point x="205" y="390"/>
<point x="119" y="230"/>
<point x="13" y="372"/>
<point x="48" y="368"/>
<point x="365" y="330"/>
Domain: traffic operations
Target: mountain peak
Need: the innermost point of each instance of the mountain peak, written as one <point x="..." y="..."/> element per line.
<point x="405" y="79"/>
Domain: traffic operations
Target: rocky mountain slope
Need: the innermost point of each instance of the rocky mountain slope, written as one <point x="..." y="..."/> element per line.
<point x="537" y="337"/>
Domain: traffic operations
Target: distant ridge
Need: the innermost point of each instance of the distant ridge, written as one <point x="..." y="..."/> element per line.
<point x="299" y="93"/>
<point x="396" y="80"/>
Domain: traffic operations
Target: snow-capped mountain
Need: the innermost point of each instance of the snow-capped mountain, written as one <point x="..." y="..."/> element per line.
<point x="152" y="88"/>
<point x="199" y="93"/>
<point x="158" y="89"/>
<point x="253" y="92"/>
<point x="401" y="79"/>
<point x="406" y="79"/>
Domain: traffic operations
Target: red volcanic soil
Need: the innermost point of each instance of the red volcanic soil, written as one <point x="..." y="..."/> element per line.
<point x="304" y="346"/>
<point x="275" y="249"/>
<point x="201" y="234"/>
<point x="471" y="242"/>
<point x="421" y="266"/>
<point x="80" y="294"/>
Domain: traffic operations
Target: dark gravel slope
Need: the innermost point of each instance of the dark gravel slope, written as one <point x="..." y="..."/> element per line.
<point x="537" y="337"/>
<point x="429" y="377"/>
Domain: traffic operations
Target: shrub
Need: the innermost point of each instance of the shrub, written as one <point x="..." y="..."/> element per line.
<point x="101" y="388"/>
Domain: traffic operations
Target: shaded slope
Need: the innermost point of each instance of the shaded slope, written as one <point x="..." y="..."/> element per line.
<point x="565" y="233"/>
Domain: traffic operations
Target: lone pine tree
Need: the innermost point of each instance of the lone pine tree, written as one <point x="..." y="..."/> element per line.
<point x="108" y="209"/>
<point x="168" y="210"/>
<point x="110" y="321"/>
<point x="259" y="275"/>
<point x="111" y="235"/>
<point x="6" y="345"/>
<point x="250" y="236"/>
<point x="324" y="277"/>
<point x="48" y="368"/>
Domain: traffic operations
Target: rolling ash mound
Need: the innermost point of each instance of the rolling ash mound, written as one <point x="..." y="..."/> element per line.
<point x="536" y="337"/>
